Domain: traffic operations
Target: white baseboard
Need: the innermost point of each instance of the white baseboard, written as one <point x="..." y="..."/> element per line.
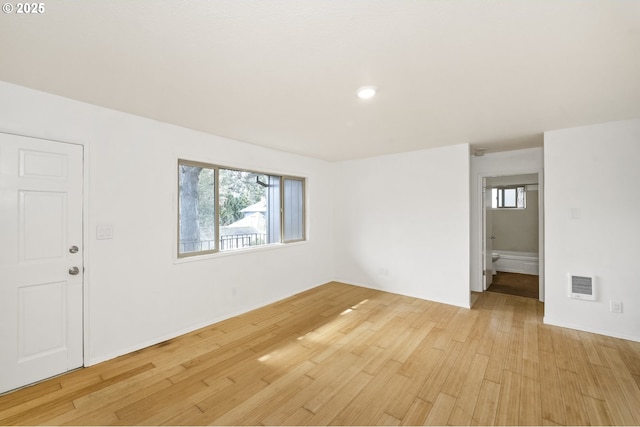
<point x="554" y="322"/>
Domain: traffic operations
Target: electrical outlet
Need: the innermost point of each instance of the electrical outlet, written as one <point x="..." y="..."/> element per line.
<point x="615" y="306"/>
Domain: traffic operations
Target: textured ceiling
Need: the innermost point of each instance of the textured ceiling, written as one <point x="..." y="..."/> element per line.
<point x="283" y="74"/>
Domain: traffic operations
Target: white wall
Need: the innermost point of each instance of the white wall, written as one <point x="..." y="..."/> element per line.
<point x="402" y="223"/>
<point x="515" y="162"/>
<point x="137" y="293"/>
<point x="592" y="200"/>
<point x="517" y="229"/>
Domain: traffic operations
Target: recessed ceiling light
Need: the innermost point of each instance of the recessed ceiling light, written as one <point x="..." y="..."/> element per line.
<point x="366" y="92"/>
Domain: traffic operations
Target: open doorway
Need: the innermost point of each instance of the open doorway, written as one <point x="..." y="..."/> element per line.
<point x="511" y="234"/>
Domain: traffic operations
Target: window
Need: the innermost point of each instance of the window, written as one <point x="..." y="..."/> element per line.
<point x="293" y="209"/>
<point x="197" y="208"/>
<point x="508" y="197"/>
<point x="221" y="209"/>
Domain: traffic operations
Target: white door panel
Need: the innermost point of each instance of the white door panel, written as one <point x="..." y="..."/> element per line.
<point x="42" y="237"/>
<point x="40" y="301"/>
<point x="41" y="319"/>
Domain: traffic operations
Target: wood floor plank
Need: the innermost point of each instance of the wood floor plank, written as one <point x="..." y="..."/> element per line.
<point x="328" y="378"/>
<point x="403" y="350"/>
<point x="485" y="330"/>
<point x="552" y="402"/>
<point x="341" y="400"/>
<point x="620" y="412"/>
<point x="469" y="391"/>
<point x="630" y="354"/>
<point x="299" y="418"/>
<point x="417" y="413"/>
<point x="432" y="386"/>
<point x="368" y="404"/>
<point x="462" y="323"/>
<point x="102" y="411"/>
<point x="545" y="342"/>
<point x="28" y="394"/>
<point x="388" y="420"/>
<point x="117" y="390"/>
<point x="342" y="354"/>
<point x="64" y="402"/>
<point x="530" y="410"/>
<point x="588" y="384"/>
<point x="573" y="399"/>
<point x="441" y="410"/>
<point x="218" y="404"/>
<point x="142" y="410"/>
<point x="396" y="401"/>
<point x="625" y="381"/>
<point x="459" y="373"/>
<point x="507" y="412"/>
<point x="597" y="411"/>
<point x="515" y="350"/>
<point x="530" y="341"/>
<point x="259" y="405"/>
<point x="423" y="358"/>
<point x="497" y="360"/>
<point x="591" y="349"/>
<point x="484" y="413"/>
<point x="182" y="418"/>
<point x="506" y="316"/>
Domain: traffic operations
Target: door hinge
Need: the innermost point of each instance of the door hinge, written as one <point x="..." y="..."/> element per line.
<point x="484" y="272"/>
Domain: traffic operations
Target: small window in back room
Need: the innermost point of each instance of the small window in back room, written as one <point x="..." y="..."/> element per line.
<point x="508" y="197"/>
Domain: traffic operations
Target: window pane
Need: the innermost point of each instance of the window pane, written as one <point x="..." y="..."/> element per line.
<point x="494" y="198"/>
<point x="509" y="197"/>
<point x="293" y="209"/>
<point x="521" y="197"/>
<point x="243" y="209"/>
<point x="196" y="209"/>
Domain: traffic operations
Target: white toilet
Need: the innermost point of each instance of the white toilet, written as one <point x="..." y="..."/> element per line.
<point x="495" y="256"/>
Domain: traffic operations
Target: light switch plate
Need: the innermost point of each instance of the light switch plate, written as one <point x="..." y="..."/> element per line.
<point x="104" y="231"/>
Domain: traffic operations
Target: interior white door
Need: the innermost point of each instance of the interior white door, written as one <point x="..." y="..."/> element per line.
<point x="41" y="259"/>
<point x="487" y="235"/>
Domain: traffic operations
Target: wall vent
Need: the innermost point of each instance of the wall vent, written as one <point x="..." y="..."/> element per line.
<point x="582" y="287"/>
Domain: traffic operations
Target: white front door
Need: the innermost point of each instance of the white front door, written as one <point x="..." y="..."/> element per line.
<point x="41" y="259"/>
<point x="487" y="235"/>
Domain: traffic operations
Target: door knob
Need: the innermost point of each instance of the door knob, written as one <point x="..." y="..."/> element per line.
<point x="74" y="270"/>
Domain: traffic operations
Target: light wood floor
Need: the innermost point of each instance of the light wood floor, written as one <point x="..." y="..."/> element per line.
<point x="346" y="355"/>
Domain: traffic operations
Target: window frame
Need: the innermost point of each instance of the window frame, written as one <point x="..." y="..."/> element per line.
<point x="216" y="168"/>
<point x="502" y="188"/>
<point x="216" y="220"/>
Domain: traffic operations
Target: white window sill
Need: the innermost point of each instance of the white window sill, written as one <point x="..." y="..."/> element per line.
<point x="235" y="252"/>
